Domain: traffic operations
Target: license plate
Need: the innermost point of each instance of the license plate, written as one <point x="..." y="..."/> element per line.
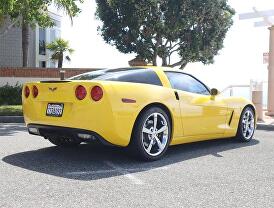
<point x="55" y="109"/>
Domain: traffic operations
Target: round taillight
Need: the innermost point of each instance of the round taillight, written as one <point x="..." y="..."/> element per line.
<point x="80" y="92"/>
<point x="34" y="91"/>
<point x="26" y="91"/>
<point x="96" y="93"/>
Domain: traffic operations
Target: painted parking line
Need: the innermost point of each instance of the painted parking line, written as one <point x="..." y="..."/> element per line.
<point x="125" y="172"/>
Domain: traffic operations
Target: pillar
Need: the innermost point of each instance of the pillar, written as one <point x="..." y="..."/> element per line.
<point x="270" y="102"/>
<point x="257" y="98"/>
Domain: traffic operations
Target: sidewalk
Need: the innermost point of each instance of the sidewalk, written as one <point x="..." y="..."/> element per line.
<point x="266" y="124"/>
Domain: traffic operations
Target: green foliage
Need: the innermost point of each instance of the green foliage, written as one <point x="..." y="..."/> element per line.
<point x="36" y="11"/>
<point x="11" y="95"/>
<point x="11" y="110"/>
<point x="27" y="13"/>
<point x="59" y="47"/>
<point x="194" y="29"/>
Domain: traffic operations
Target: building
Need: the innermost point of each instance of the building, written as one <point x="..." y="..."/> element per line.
<point x="11" y="45"/>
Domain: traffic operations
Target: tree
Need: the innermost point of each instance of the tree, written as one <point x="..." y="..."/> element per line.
<point x="59" y="47"/>
<point x="28" y="13"/>
<point x="192" y="29"/>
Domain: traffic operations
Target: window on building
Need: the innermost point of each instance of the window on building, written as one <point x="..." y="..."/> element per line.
<point x="42" y="64"/>
<point x="57" y="23"/>
<point x="52" y="35"/>
<point x="42" y="41"/>
<point x="52" y="64"/>
<point x="185" y="82"/>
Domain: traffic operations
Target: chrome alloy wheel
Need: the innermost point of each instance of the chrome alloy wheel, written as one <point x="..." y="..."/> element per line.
<point x="248" y="124"/>
<point x="155" y="134"/>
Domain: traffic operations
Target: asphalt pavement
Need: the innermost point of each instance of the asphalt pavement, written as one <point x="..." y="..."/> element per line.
<point x="220" y="173"/>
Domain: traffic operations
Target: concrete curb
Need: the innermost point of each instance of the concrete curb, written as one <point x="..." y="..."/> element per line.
<point x="12" y="119"/>
<point x="267" y="127"/>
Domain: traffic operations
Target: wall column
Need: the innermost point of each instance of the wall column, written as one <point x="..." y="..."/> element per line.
<point x="270" y="102"/>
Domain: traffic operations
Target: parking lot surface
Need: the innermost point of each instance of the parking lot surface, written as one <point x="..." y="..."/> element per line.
<point x="220" y="173"/>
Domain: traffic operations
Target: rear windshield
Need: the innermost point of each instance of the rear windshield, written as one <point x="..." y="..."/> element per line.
<point x="134" y="75"/>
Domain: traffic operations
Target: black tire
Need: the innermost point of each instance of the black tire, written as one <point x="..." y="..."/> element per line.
<point x="64" y="142"/>
<point x="138" y="143"/>
<point x="243" y="134"/>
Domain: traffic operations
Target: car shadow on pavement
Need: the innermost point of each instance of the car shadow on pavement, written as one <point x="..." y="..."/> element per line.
<point x="94" y="161"/>
<point x="11" y="129"/>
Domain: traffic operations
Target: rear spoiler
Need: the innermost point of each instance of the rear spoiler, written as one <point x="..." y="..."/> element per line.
<point x="55" y="81"/>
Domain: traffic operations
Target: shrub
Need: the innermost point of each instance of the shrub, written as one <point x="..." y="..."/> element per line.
<point x="11" y="95"/>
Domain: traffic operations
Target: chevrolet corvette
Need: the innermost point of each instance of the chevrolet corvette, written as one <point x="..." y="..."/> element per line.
<point x="146" y="109"/>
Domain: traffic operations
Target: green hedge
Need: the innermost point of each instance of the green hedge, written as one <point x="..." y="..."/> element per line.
<point x="11" y="95"/>
<point x="11" y="110"/>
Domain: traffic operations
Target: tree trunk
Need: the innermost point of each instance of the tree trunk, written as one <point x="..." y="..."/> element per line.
<point x="25" y="43"/>
<point x="155" y="55"/>
<point x="164" y="61"/>
<point x="154" y="61"/>
<point x="60" y="61"/>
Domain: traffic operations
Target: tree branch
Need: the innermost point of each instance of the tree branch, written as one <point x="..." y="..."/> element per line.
<point x="175" y="45"/>
<point x="171" y="52"/>
<point x="181" y="63"/>
<point x="9" y="27"/>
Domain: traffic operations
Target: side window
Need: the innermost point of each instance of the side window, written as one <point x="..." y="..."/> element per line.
<point x="186" y="83"/>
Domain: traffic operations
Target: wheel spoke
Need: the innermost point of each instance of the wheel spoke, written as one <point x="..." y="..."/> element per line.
<point x="155" y="121"/>
<point x="146" y="130"/>
<point x="160" y="145"/>
<point x="150" y="145"/>
<point x="249" y="131"/>
<point x="161" y="129"/>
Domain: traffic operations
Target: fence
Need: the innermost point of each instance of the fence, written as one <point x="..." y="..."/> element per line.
<point x="22" y="75"/>
<point x="246" y="91"/>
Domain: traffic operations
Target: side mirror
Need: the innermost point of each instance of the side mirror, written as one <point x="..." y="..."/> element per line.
<point x="214" y="92"/>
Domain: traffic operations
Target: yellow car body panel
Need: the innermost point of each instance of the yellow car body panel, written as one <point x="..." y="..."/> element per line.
<point x="194" y="117"/>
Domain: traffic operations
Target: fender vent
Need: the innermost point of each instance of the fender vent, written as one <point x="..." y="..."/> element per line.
<point x="230" y="120"/>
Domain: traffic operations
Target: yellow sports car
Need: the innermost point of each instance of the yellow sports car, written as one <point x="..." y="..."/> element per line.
<point x="143" y="108"/>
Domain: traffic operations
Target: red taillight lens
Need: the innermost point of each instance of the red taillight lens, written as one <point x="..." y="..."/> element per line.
<point x="27" y="91"/>
<point x="80" y="92"/>
<point x="96" y="93"/>
<point x="34" y="91"/>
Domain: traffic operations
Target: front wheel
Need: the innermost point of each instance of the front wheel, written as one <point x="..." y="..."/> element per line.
<point x="151" y="134"/>
<point x="246" y="127"/>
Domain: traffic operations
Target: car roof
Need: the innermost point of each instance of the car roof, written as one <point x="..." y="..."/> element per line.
<point x="163" y="68"/>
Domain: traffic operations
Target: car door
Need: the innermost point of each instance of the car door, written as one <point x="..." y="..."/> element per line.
<point x="201" y="113"/>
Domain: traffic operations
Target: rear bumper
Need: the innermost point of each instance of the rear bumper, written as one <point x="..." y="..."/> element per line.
<point x="66" y="132"/>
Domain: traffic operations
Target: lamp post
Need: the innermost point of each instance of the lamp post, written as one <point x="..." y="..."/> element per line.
<point x="266" y="22"/>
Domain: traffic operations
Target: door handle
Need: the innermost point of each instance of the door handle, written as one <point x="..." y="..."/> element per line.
<point x="176" y="95"/>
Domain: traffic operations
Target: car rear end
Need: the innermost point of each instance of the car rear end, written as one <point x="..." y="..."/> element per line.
<point x="77" y="109"/>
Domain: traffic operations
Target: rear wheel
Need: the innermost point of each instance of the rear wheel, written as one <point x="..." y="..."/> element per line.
<point x="64" y="142"/>
<point x="151" y="134"/>
<point x="246" y="127"/>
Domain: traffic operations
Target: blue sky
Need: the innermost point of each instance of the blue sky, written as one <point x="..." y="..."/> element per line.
<point x="239" y="61"/>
